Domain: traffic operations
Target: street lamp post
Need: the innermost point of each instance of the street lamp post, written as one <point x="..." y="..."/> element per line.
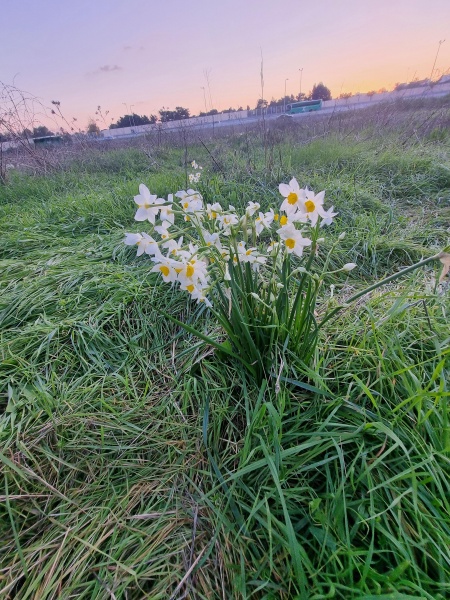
<point x="300" y="94"/>
<point x="287" y="79"/>
<point x="126" y="106"/>
<point x="131" y="113"/>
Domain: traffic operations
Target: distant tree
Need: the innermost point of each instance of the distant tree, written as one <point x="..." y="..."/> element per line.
<point x="173" y="115"/>
<point x="371" y="94"/>
<point x="345" y="95"/>
<point x="93" y="128"/>
<point x="41" y="131"/>
<point x="300" y="97"/>
<point x="320" y="92"/>
<point x="262" y="103"/>
<point x="133" y="121"/>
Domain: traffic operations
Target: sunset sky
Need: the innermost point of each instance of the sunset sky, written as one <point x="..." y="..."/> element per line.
<point x="142" y="55"/>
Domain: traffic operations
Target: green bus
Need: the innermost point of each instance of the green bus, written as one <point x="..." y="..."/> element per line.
<point x="306" y="106"/>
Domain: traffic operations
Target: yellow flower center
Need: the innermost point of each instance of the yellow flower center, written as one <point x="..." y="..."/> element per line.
<point x="310" y="206"/>
<point x="189" y="271"/>
<point x="186" y="205"/>
<point x="208" y="243"/>
<point x="290" y="243"/>
<point x="292" y="198"/>
<point x="248" y="253"/>
<point x="190" y="288"/>
<point x="147" y="205"/>
<point x="276" y="217"/>
<point x="164" y="270"/>
<point x="214" y="215"/>
<point x="283" y="220"/>
<point x="178" y="270"/>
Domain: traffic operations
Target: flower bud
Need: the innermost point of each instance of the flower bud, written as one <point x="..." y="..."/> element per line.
<point x="349" y="267"/>
<point x="341" y="236"/>
<point x="320" y="240"/>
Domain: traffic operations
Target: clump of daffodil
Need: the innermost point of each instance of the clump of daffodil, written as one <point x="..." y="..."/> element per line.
<point x="217" y="238"/>
<point x="232" y="262"/>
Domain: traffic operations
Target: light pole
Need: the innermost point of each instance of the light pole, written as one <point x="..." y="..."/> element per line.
<point x="287" y="79"/>
<point x="300" y="94"/>
<point x="126" y="106"/>
<point x="131" y="112"/>
<point x="434" y="64"/>
<point x="204" y="97"/>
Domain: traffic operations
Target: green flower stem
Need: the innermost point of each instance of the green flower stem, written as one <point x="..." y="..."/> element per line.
<point x="379" y="284"/>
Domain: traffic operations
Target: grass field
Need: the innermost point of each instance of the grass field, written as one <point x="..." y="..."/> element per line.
<point x="138" y="463"/>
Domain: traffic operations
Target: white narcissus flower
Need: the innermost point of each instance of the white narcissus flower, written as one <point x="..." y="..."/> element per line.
<point x="311" y="208"/>
<point x="212" y="239"/>
<point x="196" y="292"/>
<point x="251" y="256"/>
<point x="132" y="238"/>
<point x="149" y="205"/>
<point x="194" y="271"/>
<point x="194" y="177"/>
<point x="227" y="221"/>
<point x="167" y="213"/>
<point x="264" y="220"/>
<point x="163" y="229"/>
<point x="165" y="267"/>
<point x="293" y="239"/>
<point x="194" y="165"/>
<point x="327" y="216"/>
<point x="191" y="201"/>
<point x="144" y="242"/>
<point x="293" y="196"/>
<point x="173" y="246"/>
<point x="213" y="210"/>
<point x="252" y="207"/>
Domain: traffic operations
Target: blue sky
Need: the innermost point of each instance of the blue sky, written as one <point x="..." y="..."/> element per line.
<point x="144" y="54"/>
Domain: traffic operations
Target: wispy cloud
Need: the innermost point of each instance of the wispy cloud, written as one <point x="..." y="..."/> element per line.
<point x="109" y="68"/>
<point x="104" y="69"/>
<point x="135" y="48"/>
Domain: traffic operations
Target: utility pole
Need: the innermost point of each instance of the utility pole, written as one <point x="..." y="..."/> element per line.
<point x="300" y="94"/>
<point x="287" y="79"/>
<point x="131" y="113"/>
